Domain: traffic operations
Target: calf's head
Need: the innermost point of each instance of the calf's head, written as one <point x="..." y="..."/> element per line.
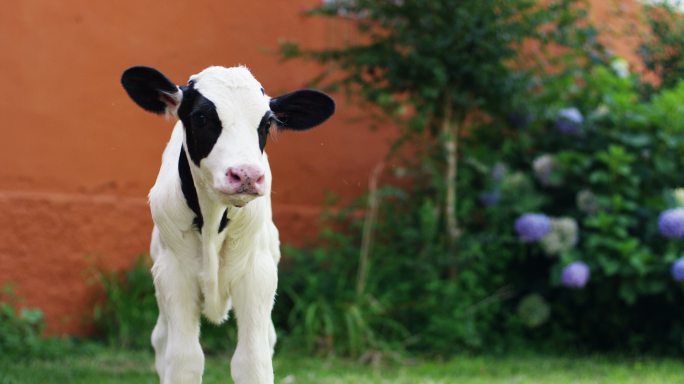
<point x="226" y="116"/>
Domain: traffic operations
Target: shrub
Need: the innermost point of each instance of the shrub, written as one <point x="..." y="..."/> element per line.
<point x="22" y="332"/>
<point x="320" y="306"/>
<point x="616" y="179"/>
<point x="127" y="313"/>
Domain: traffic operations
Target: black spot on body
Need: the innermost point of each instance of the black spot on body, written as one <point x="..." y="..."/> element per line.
<point x="200" y="121"/>
<point x="189" y="191"/>
<point x="224" y="221"/>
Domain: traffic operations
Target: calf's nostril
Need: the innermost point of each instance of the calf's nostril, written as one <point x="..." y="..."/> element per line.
<point x="234" y="176"/>
<point x="260" y="179"/>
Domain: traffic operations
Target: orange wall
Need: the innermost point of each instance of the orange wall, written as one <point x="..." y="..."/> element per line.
<point x="79" y="157"/>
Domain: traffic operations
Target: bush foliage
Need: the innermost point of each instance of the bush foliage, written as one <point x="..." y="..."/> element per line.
<point x="452" y="262"/>
<point x="22" y="330"/>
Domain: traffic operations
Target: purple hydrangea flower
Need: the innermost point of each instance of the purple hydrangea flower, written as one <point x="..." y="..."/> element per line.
<point x="569" y="121"/>
<point x="678" y="269"/>
<point x="532" y="226"/>
<point x="575" y="275"/>
<point x="489" y="199"/>
<point x="671" y="223"/>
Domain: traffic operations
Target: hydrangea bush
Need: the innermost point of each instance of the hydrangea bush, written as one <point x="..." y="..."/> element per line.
<point x="601" y="216"/>
<point x="588" y="221"/>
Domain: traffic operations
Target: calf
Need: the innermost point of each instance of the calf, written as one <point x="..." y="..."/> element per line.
<point x="214" y="244"/>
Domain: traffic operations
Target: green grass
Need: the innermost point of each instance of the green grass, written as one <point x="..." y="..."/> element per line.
<point x="97" y="365"/>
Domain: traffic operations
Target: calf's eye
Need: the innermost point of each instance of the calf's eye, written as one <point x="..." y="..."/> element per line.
<point x="263" y="132"/>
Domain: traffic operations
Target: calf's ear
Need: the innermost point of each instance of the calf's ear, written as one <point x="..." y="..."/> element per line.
<point x="151" y="90"/>
<point x="302" y="109"/>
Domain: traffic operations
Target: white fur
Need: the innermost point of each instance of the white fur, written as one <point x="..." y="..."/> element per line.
<point x="211" y="271"/>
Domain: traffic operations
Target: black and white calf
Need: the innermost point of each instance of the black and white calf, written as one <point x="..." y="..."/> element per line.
<point x="214" y="244"/>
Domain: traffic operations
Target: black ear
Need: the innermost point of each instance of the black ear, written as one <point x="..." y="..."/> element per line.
<point x="151" y="90"/>
<point x="302" y="109"/>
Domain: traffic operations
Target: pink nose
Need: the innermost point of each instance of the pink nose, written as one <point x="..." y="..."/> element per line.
<point x="246" y="178"/>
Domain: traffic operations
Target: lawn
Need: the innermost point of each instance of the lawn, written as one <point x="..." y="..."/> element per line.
<point x="109" y="366"/>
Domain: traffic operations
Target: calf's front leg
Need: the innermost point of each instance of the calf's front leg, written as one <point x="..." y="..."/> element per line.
<point x="179" y="357"/>
<point x="253" y="296"/>
<point x="159" y="336"/>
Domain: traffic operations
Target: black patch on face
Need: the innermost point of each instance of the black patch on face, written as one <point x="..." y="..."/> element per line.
<point x="201" y="122"/>
<point x="264" y="127"/>
<point x="190" y="193"/>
